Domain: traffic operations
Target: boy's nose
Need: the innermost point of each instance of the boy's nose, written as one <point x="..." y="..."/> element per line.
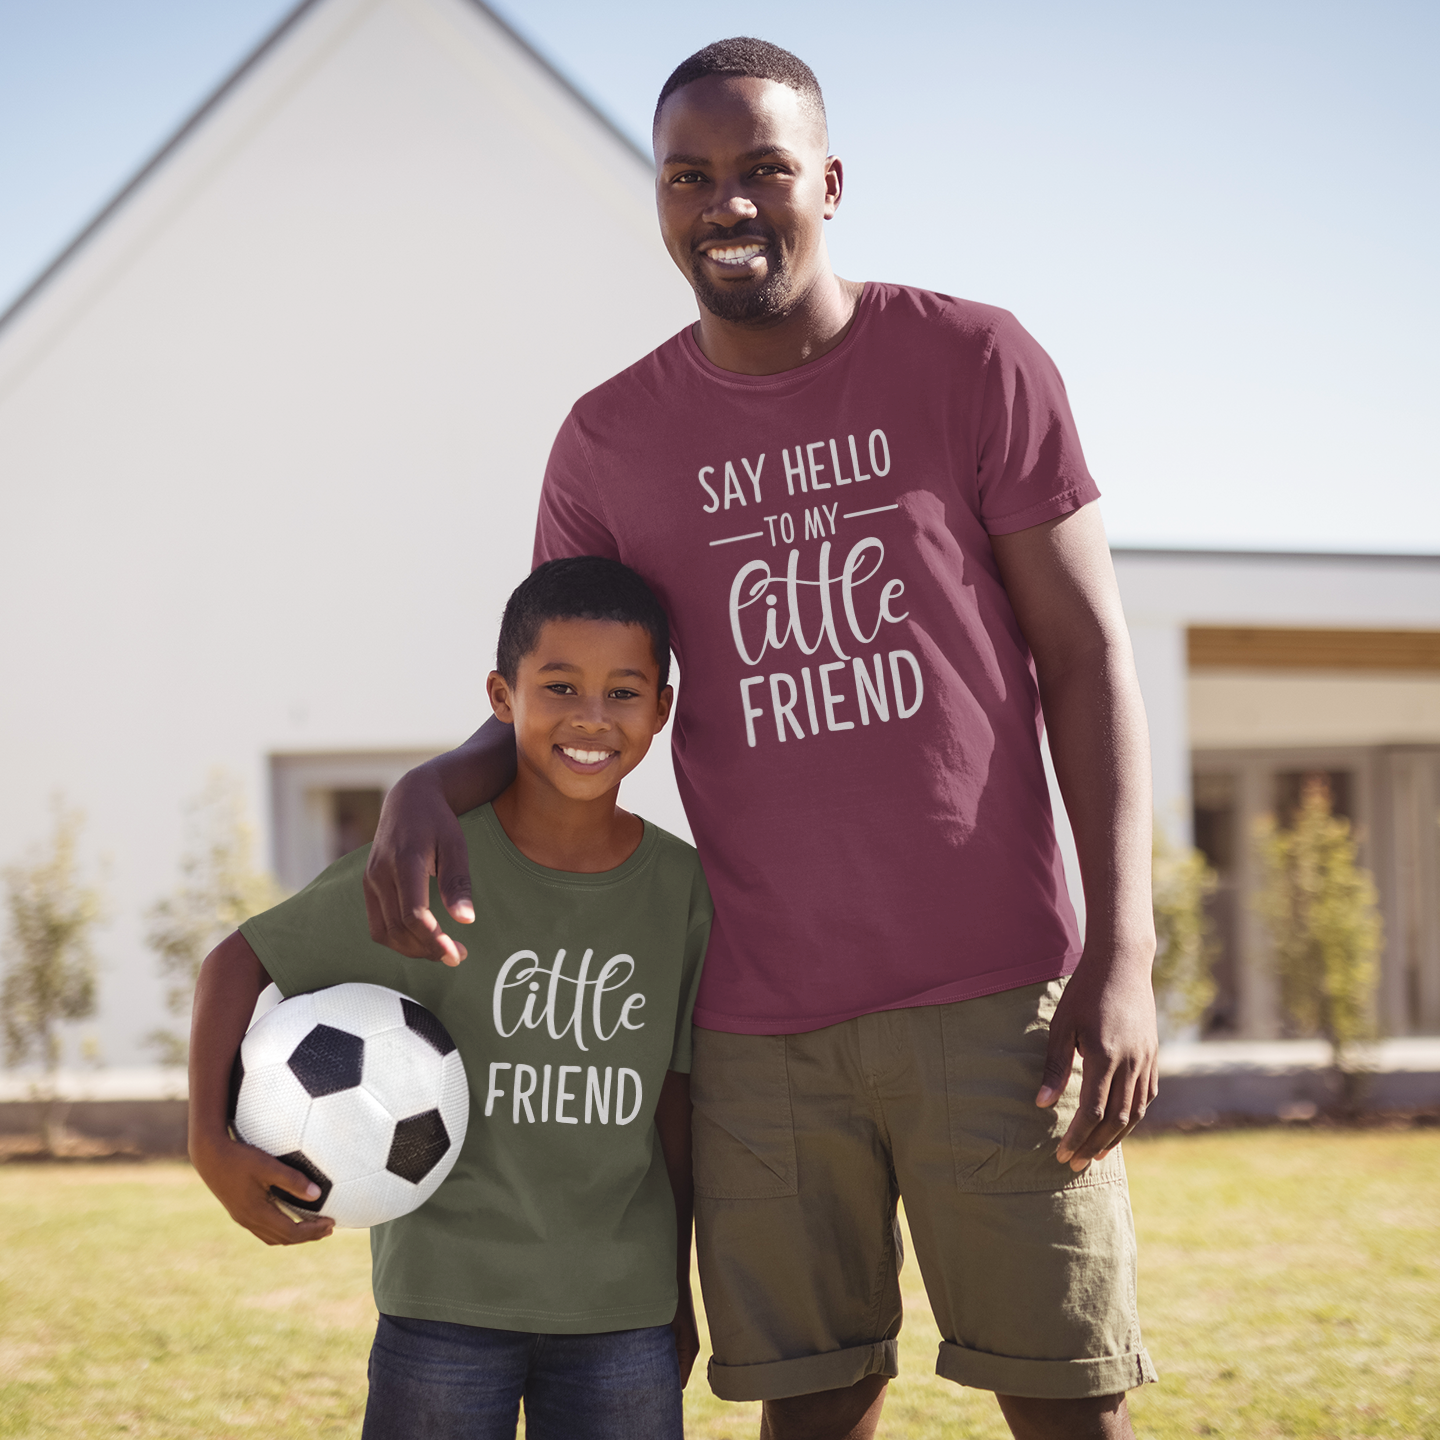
<point x="591" y="717"/>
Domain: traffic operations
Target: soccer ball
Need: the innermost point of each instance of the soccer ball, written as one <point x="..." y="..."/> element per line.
<point x="360" y="1088"/>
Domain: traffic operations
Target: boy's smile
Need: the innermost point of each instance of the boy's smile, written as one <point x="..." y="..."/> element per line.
<point x="586" y="702"/>
<point x="587" y="761"/>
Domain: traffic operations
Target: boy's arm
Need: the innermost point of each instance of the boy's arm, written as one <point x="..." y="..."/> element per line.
<point x="230" y="982"/>
<point x="419" y="837"/>
<point x="672" y="1123"/>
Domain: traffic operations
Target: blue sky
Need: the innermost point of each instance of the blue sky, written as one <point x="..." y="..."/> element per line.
<point x="1220" y="219"/>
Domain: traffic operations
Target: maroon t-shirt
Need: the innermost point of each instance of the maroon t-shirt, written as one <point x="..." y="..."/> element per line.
<point x="857" y="738"/>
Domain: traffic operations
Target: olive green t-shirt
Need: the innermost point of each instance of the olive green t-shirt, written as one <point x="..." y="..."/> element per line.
<point x="574" y="1001"/>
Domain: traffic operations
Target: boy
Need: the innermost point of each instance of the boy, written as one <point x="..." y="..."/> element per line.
<point x="553" y="1262"/>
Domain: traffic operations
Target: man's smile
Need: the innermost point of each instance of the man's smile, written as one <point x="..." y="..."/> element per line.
<point x="736" y="255"/>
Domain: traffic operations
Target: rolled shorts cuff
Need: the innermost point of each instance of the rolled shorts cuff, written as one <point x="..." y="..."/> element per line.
<point x="1045" y="1379"/>
<point x="807" y="1375"/>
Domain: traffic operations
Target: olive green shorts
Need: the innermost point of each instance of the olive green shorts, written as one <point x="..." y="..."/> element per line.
<point x="803" y="1143"/>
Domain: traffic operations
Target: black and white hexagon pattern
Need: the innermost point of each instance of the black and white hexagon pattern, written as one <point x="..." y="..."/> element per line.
<point x="360" y="1088"/>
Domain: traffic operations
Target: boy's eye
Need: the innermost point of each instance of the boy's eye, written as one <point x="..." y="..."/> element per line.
<point x="560" y="687"/>
<point x="624" y="694"/>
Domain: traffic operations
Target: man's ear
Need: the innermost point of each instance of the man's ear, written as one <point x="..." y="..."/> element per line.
<point x="498" y="689"/>
<point x="663" y="702"/>
<point x="834" y="185"/>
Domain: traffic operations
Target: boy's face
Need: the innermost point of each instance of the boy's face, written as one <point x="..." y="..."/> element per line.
<point x="585" y="705"/>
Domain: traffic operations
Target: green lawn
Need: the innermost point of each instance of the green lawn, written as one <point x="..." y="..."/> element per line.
<point x="1290" y="1286"/>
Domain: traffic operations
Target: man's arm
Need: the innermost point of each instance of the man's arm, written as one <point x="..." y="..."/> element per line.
<point x="1061" y="584"/>
<point x="419" y="837"/>
<point x="230" y="982"/>
<point x="672" y="1123"/>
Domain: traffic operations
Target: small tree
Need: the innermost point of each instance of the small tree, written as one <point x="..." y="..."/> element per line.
<point x="1180" y="881"/>
<point x="50" y="967"/>
<point x="1319" y="907"/>
<point x="219" y="888"/>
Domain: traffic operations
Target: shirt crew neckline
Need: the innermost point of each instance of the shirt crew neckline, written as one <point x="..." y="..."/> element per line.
<point x="585" y="880"/>
<point x="800" y="374"/>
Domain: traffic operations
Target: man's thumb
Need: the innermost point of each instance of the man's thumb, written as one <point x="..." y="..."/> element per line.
<point x="454" y="878"/>
<point x="1059" y="1058"/>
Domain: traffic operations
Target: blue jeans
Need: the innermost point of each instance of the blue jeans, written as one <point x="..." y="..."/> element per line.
<point x="435" y="1380"/>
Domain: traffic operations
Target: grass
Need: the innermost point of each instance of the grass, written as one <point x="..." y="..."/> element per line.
<point x="1290" y="1286"/>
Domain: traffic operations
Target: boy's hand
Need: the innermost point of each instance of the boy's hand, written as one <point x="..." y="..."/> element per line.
<point x="241" y="1176"/>
<point x="687" y="1335"/>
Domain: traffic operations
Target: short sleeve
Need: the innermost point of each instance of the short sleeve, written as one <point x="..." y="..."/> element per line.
<point x="321" y="936"/>
<point x="569" y="522"/>
<point x="1031" y="466"/>
<point x="696" y="939"/>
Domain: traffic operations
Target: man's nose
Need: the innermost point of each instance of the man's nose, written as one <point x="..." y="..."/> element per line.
<point x="733" y="210"/>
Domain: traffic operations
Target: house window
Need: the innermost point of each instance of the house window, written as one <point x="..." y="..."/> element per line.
<point x="1232" y="791"/>
<point x="354" y="818"/>
<point x="1217" y="839"/>
<point x="1290" y="788"/>
<point x="324" y="806"/>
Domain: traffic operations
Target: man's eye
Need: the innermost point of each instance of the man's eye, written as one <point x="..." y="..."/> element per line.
<point x="688" y="177"/>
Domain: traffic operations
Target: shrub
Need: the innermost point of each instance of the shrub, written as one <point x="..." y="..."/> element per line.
<point x="1184" y="941"/>
<point x="219" y="888"/>
<point x="50" y="966"/>
<point x="1319" y="907"/>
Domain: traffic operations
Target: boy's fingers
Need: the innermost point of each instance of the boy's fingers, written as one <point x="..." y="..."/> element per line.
<point x="275" y="1227"/>
<point x="298" y="1232"/>
<point x="293" y="1182"/>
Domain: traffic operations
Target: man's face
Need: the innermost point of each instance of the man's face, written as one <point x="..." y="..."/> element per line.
<point x="744" y="187"/>
<point x="585" y="705"/>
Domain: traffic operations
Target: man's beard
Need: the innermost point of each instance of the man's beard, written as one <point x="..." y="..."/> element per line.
<point x="743" y="303"/>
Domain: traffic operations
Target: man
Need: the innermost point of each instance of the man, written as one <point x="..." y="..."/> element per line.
<point x="867" y="512"/>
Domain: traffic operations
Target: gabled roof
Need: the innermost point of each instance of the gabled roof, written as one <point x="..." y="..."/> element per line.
<point x="230" y="83"/>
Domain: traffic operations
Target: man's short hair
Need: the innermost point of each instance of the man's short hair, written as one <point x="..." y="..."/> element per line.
<point x="585" y="587"/>
<point x="751" y="59"/>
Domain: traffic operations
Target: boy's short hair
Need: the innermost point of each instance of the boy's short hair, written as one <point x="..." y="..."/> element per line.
<point x="584" y="587"/>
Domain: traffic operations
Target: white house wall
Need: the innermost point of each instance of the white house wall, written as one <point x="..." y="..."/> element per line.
<point x="1166" y="592"/>
<point x="271" y="441"/>
<point x="1241" y="709"/>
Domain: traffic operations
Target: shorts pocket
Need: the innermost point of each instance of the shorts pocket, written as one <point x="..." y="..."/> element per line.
<point x="1001" y="1141"/>
<point x="743" y="1137"/>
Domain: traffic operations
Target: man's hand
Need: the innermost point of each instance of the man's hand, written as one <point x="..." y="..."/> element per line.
<point x="418" y="837"/>
<point x="687" y="1335"/>
<point x="1107" y="1015"/>
<point x="241" y="1177"/>
<point x="1061" y="584"/>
